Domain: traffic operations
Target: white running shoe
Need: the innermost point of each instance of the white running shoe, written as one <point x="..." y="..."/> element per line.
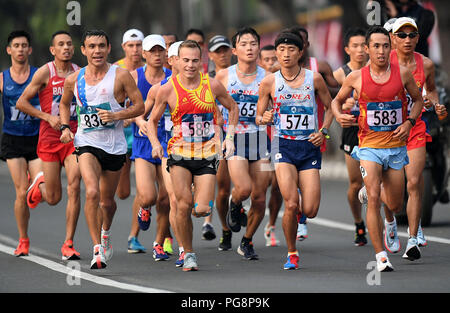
<point x="412" y="251"/>
<point x="302" y="231"/>
<point x="421" y="240"/>
<point x="383" y="264"/>
<point x="98" y="259"/>
<point x="391" y="241"/>
<point x="269" y="235"/>
<point x="106" y="244"/>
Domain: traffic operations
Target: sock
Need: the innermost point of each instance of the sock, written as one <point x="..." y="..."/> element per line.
<point x="381" y="255"/>
<point x="302" y="219"/>
<point x="293" y="253"/>
<point x="105" y="232"/>
<point x="155" y="244"/>
<point x="390" y="223"/>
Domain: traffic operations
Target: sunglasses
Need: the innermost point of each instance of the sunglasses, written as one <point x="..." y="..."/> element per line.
<point x="403" y="35"/>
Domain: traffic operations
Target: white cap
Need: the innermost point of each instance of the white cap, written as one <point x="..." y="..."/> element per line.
<point x="132" y="35"/>
<point x="388" y="25"/>
<point x="173" y="49"/>
<point x="153" y="40"/>
<point x="403" y="21"/>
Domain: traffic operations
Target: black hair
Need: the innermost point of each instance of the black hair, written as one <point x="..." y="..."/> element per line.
<point x="172" y="34"/>
<point x="195" y="31"/>
<point x="298" y="29"/>
<point x="94" y="33"/>
<point x="190" y="44"/>
<point x="17" y="34"/>
<point x="59" y="32"/>
<point x="376" y="30"/>
<point x="267" y="48"/>
<point x="353" y="32"/>
<point x="290" y="38"/>
<point x="243" y="31"/>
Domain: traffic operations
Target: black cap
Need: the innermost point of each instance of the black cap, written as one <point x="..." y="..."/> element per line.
<point x="218" y="41"/>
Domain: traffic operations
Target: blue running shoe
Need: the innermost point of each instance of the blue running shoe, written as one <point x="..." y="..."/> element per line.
<point x="292" y="262"/>
<point x="159" y="254"/>
<point x="180" y="261"/>
<point x="134" y="246"/>
<point x="144" y="218"/>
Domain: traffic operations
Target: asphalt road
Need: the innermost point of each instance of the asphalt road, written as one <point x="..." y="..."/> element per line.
<point x="329" y="261"/>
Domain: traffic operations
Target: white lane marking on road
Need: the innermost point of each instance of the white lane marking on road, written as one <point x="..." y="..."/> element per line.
<point x="343" y="226"/>
<point x="89" y="277"/>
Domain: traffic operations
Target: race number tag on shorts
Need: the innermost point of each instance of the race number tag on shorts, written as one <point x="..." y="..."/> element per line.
<point x="296" y="120"/>
<point x="198" y="127"/>
<point x="89" y="120"/>
<point x="384" y="116"/>
<point x="17" y="115"/>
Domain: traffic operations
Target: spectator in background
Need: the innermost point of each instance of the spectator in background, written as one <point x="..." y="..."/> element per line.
<point x="424" y="19"/>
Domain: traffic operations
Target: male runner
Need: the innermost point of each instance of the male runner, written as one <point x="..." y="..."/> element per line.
<point x="20" y="131"/>
<point x="132" y="47"/>
<point x="220" y="54"/>
<point x="249" y="167"/>
<point x="322" y="67"/>
<point x="49" y="82"/>
<point x="169" y="39"/>
<point x="384" y="127"/>
<point x="100" y="89"/>
<point x="268" y="60"/>
<point x="198" y="36"/>
<point x="195" y="146"/>
<point x="296" y="146"/>
<point x="405" y="34"/>
<point x="148" y="169"/>
<point x="168" y="125"/>
<point x="354" y="42"/>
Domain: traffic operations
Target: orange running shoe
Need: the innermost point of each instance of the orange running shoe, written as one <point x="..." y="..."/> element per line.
<point x="23" y="247"/>
<point x="69" y="252"/>
<point x="34" y="195"/>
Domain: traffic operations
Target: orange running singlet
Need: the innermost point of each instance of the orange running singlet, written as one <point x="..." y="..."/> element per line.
<point x="383" y="108"/>
<point x="195" y="130"/>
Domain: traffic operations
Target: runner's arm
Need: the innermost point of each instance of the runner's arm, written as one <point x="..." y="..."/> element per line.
<point x="327" y="74"/>
<point x="159" y="106"/>
<point x="430" y="87"/>
<point x="346" y="120"/>
<point x="414" y="92"/>
<point x="227" y="101"/>
<point x="264" y="116"/>
<point x="64" y="106"/>
<point x="39" y="80"/>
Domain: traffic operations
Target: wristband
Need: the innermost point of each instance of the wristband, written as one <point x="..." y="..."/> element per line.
<point x="412" y="121"/>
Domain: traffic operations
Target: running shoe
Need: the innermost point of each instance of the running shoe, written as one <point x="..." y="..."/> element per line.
<point x="134" y="246"/>
<point x="180" y="261"/>
<point x="34" y="195"/>
<point x="302" y="231"/>
<point x="412" y="251"/>
<point x="208" y="232"/>
<point x="383" y="264"/>
<point x="144" y="218"/>
<point x="243" y="216"/>
<point x="225" y="241"/>
<point x="190" y="262"/>
<point x="246" y="250"/>
<point x="233" y="216"/>
<point x="23" y="247"/>
<point x="69" y="252"/>
<point x="292" y="262"/>
<point x="106" y="244"/>
<point x="360" y="234"/>
<point x="421" y="240"/>
<point x="168" y="246"/>
<point x="269" y="235"/>
<point x="391" y="240"/>
<point x="159" y="254"/>
<point x="98" y="259"/>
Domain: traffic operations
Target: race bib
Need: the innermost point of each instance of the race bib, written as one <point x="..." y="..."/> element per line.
<point x="296" y="120"/>
<point x="89" y="120"/>
<point x="197" y="127"/>
<point x="168" y="124"/>
<point x="247" y="107"/>
<point x="73" y="107"/>
<point x="384" y="116"/>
